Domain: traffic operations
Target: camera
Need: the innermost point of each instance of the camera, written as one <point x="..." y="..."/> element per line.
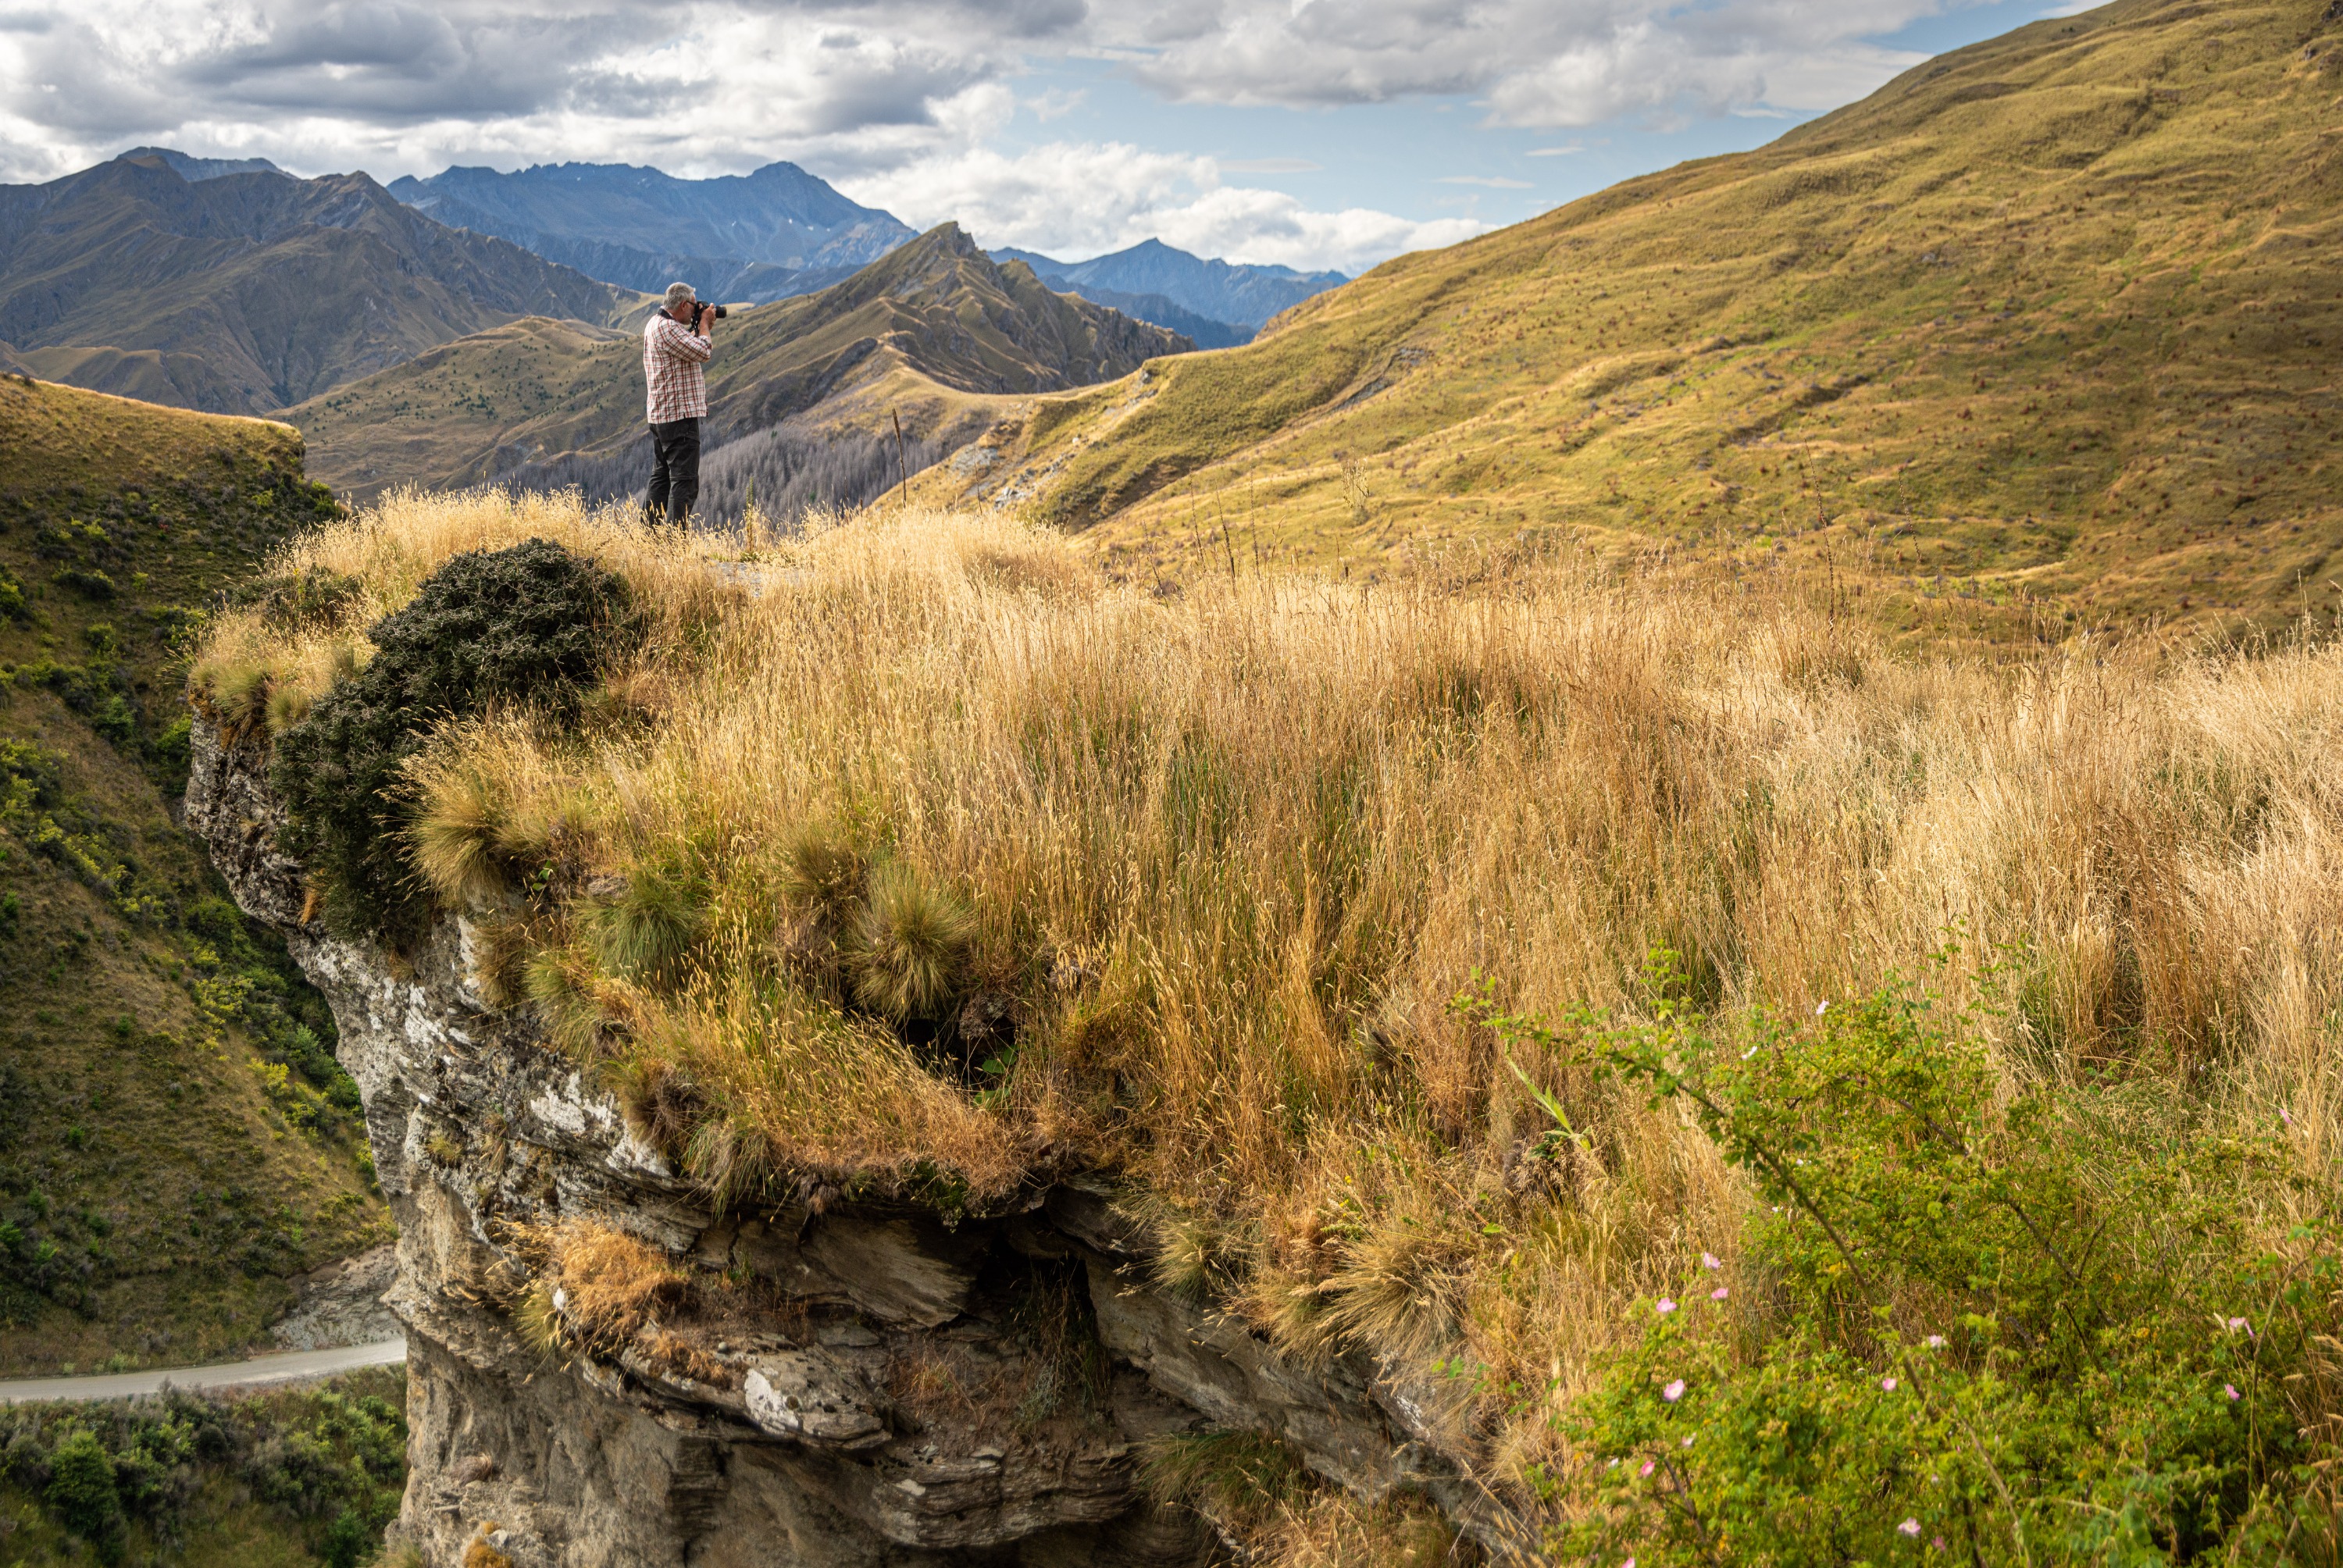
<point x="717" y="309"/>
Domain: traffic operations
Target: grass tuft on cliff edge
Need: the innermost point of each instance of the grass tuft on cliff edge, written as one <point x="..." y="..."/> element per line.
<point x="920" y="859"/>
<point x="176" y="1139"/>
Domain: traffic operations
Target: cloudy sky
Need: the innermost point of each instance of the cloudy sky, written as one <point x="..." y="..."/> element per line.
<point x="1316" y="133"/>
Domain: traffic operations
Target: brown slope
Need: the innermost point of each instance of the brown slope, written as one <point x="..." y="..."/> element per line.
<point x="934" y="331"/>
<point x="248" y="291"/>
<point x="2053" y="321"/>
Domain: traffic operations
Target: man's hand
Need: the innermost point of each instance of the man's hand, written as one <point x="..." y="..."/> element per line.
<point x="704" y="319"/>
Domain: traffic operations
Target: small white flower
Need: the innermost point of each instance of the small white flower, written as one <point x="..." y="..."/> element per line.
<point x="1750" y="1052"/>
<point x="1910" y="1527"/>
<point x="1709" y="1261"/>
<point x="1820" y="1007"/>
<point x="1935" y="1342"/>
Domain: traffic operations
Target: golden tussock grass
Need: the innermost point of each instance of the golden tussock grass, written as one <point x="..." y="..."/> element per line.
<point x="1225" y="855"/>
<point x="602" y="1286"/>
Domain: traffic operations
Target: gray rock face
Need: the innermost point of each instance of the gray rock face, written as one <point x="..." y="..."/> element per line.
<point x="342" y="1304"/>
<point x="873" y="1394"/>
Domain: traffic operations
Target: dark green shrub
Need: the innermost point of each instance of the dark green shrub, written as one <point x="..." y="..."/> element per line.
<point x="348" y="1541"/>
<point x="174" y="747"/>
<point x="116" y="720"/>
<point x="88" y="583"/>
<point x="30" y="775"/>
<point x="1990" y="1328"/>
<point x="81" y="1490"/>
<point x="532" y="624"/>
<point x="323" y="1464"/>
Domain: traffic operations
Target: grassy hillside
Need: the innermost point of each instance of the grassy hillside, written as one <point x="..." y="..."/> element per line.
<point x="933" y="332"/>
<point x="1757" y="1096"/>
<point x="176" y="1139"/>
<point x="244" y="293"/>
<point x="2053" y="319"/>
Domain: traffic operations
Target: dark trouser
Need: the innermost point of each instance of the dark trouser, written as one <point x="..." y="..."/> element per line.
<point x="675" y="472"/>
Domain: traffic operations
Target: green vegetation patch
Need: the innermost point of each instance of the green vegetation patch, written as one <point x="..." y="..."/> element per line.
<point x="294" y="1476"/>
<point x="2029" y="1328"/>
<point x="176" y="1136"/>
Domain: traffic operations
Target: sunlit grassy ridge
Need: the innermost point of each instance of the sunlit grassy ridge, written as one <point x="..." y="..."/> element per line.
<point x="2056" y="317"/>
<point x="922" y="859"/>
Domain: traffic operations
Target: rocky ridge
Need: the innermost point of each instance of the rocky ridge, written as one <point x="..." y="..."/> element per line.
<point x="872" y="1388"/>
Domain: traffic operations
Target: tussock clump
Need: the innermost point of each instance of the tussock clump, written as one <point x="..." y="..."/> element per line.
<point x="1246" y="1485"/>
<point x="604" y="1286"/>
<point x="648" y="932"/>
<point x="303" y="596"/>
<point x="909" y="948"/>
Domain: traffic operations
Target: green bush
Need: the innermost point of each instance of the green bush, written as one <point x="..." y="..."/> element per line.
<point x="82" y="1494"/>
<point x="532" y="624"/>
<point x="2005" y="1328"/>
<point x="88" y="583"/>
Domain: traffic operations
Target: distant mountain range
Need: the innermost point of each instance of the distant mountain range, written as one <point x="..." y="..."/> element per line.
<point x="934" y="333"/>
<point x="755" y="237"/>
<point x="227" y="285"/>
<point x="212" y="286"/>
<point x="1245" y="298"/>
<point x="781" y="232"/>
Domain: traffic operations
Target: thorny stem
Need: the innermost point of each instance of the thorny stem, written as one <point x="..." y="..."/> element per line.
<point x="1680" y="1490"/>
<point x="1782" y="1174"/>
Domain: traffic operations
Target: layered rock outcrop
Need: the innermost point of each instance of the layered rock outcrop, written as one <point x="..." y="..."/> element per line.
<point x="858" y="1384"/>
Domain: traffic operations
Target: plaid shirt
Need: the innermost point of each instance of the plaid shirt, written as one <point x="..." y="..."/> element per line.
<point x="672" y="356"/>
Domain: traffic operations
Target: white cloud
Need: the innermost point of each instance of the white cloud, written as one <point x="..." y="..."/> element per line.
<point x="1488" y="182"/>
<point x="903" y="101"/>
<point x="1076" y="200"/>
<point x="1269" y="166"/>
<point x="1530" y="62"/>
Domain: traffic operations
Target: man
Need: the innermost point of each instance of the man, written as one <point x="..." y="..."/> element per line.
<point x="675" y="347"/>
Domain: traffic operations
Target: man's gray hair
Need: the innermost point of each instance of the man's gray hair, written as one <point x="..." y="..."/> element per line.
<point x="677" y="293"/>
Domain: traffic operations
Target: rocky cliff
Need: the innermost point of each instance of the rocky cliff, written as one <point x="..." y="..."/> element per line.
<point x="819" y="1381"/>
